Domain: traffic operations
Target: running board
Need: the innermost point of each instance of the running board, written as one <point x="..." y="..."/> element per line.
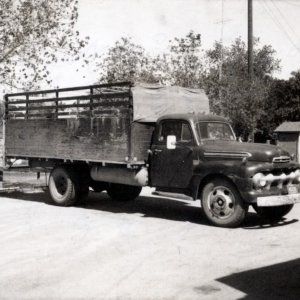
<point x="172" y="195"/>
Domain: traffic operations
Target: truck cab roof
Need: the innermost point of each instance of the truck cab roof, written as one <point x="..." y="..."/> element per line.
<point x="193" y="117"/>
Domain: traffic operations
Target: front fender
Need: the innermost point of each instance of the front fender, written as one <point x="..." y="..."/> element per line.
<point x="235" y="171"/>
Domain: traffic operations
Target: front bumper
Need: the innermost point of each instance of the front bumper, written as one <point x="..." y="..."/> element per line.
<point x="278" y="200"/>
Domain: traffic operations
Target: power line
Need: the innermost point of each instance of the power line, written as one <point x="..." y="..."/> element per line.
<point x="278" y="23"/>
<point x="284" y="18"/>
<point x="291" y="3"/>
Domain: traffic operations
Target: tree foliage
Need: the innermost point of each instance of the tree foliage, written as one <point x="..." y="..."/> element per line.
<point x="232" y="94"/>
<point x="125" y="61"/>
<point x="185" y="60"/>
<point x="248" y="104"/>
<point x="282" y="103"/>
<point x="180" y="65"/>
<point x="34" y="34"/>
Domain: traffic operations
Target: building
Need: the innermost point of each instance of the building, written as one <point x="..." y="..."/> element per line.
<point x="289" y="138"/>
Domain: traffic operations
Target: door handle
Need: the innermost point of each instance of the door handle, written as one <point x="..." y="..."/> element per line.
<point x="157" y="150"/>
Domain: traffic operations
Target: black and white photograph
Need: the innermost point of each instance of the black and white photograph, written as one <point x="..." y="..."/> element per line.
<point x="149" y="149"/>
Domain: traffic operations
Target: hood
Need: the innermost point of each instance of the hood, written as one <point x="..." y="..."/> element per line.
<point x="233" y="149"/>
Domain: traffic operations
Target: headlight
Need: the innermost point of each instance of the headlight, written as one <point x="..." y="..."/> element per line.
<point x="292" y="176"/>
<point x="297" y="175"/>
<point x="259" y="180"/>
<point x="270" y="178"/>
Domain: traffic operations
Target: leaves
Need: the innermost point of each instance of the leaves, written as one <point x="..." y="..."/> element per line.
<point x="33" y="35"/>
<point x="181" y="65"/>
<point x="282" y="103"/>
<point x="232" y="94"/>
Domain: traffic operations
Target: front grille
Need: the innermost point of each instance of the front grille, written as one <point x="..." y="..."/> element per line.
<point x="281" y="159"/>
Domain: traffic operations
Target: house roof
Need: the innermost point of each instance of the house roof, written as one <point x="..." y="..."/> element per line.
<point x="288" y="127"/>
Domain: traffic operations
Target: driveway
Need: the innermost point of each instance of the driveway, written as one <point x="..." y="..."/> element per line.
<point x="151" y="248"/>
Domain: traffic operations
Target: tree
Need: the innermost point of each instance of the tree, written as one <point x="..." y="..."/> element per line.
<point x="180" y="65"/>
<point x="282" y="103"/>
<point x="231" y="94"/>
<point x="34" y="34"/>
<point x="185" y="61"/>
<point x="125" y="61"/>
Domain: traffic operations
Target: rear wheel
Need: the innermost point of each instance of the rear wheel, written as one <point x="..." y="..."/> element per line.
<point x="122" y="192"/>
<point x="64" y="187"/>
<point x="98" y="186"/>
<point x="273" y="213"/>
<point x="222" y="203"/>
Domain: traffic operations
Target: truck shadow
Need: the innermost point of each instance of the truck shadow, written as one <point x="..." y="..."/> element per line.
<point x="253" y="221"/>
<point x="149" y="206"/>
<point x="278" y="281"/>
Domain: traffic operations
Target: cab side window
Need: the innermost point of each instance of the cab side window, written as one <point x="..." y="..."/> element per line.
<point x="169" y="128"/>
<point x="180" y="129"/>
<point x="186" y="134"/>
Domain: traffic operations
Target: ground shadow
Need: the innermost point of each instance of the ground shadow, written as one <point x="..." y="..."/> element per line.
<point x="253" y="221"/>
<point x="279" y="281"/>
<point x="148" y="206"/>
<point x="155" y="207"/>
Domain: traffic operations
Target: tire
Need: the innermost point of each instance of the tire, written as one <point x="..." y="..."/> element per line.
<point x="273" y="213"/>
<point x="82" y="194"/>
<point x="122" y="192"/>
<point x="98" y="186"/>
<point x="64" y="187"/>
<point x="82" y="176"/>
<point x="222" y="203"/>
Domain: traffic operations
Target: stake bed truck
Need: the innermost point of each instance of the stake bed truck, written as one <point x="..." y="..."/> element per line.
<point x="119" y="138"/>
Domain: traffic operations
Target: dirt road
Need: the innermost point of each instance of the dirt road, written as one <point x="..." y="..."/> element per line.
<point x="151" y="248"/>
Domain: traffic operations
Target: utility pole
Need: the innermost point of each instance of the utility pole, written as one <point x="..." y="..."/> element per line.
<point x="250" y="39"/>
<point x="221" y="42"/>
<point x="250" y="62"/>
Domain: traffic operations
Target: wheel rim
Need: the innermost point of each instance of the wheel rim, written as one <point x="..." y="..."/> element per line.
<point x="221" y="202"/>
<point x="61" y="184"/>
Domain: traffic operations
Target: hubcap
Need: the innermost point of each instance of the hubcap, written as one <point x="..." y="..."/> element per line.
<point x="61" y="185"/>
<point x="221" y="202"/>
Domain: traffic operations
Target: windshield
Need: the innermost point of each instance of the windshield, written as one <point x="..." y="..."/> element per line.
<point x="215" y="131"/>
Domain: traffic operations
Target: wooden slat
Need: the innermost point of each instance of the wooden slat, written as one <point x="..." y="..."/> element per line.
<point x="75" y="105"/>
<point x="77" y="88"/>
<point x="27" y="100"/>
<point x="94" y="113"/>
<point x="56" y="102"/>
<point x="69" y="98"/>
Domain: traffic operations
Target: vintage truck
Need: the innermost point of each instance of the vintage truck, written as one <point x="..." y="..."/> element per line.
<point x="121" y="137"/>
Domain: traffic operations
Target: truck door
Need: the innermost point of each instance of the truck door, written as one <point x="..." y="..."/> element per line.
<point x="172" y="167"/>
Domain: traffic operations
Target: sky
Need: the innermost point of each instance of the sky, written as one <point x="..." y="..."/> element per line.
<point x="152" y="23"/>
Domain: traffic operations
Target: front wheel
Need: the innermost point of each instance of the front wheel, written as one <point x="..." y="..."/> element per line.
<point x="273" y="213"/>
<point x="123" y="192"/>
<point x="222" y="203"/>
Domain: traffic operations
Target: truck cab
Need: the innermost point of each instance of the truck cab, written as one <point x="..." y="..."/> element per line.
<point x="198" y="155"/>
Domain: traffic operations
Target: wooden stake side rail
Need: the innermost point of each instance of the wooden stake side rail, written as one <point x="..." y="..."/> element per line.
<point x="77" y="88"/>
<point x="40" y="104"/>
<point x="91" y="124"/>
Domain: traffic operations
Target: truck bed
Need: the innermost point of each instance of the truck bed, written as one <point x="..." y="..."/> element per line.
<point x="72" y="139"/>
<point x="82" y="124"/>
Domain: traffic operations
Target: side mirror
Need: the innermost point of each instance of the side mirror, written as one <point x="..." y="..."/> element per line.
<point x="171" y="142"/>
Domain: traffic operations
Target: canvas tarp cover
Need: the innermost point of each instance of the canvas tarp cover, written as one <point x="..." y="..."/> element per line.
<point x="152" y="101"/>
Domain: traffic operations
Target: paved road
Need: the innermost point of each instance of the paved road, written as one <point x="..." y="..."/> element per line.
<point x="151" y="248"/>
